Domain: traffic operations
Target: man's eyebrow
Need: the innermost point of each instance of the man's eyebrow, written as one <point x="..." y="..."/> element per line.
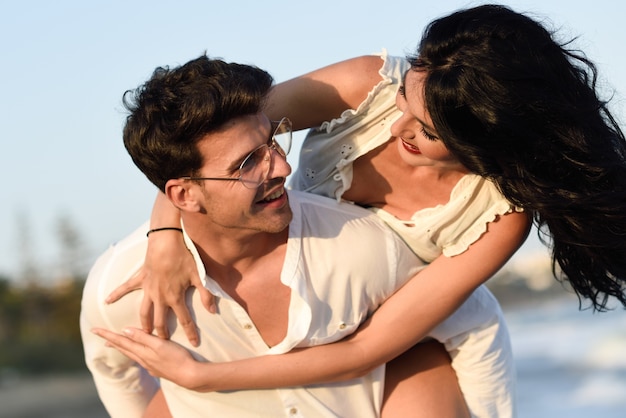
<point x="236" y="164"/>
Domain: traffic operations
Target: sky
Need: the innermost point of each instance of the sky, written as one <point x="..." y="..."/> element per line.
<point x="66" y="64"/>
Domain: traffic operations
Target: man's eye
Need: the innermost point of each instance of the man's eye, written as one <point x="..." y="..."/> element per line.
<point x="253" y="159"/>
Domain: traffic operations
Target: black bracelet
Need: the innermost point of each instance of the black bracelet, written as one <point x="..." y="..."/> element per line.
<point x="167" y="228"/>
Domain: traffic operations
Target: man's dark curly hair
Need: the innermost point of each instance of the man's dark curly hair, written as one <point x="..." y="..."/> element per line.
<point x="177" y="107"/>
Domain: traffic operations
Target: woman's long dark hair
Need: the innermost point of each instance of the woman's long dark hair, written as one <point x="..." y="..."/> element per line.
<point x="522" y="110"/>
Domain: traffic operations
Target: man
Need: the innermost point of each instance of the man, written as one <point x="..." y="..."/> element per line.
<point x="289" y="270"/>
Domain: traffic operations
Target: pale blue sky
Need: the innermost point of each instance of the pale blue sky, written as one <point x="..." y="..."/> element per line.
<point x="65" y="65"/>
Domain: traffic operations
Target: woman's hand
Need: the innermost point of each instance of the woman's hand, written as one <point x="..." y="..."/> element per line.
<point x="161" y="358"/>
<point x="169" y="270"/>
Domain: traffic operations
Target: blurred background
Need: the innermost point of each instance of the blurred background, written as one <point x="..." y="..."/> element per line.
<point x="70" y="189"/>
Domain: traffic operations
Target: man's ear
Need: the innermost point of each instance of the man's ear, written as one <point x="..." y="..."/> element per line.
<point x="183" y="195"/>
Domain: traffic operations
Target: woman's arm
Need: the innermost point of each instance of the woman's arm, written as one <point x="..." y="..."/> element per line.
<point x="402" y="321"/>
<point x="168" y="271"/>
<point x="323" y="94"/>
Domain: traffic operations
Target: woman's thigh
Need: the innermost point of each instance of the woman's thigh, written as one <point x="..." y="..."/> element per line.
<point x="157" y="408"/>
<point x="422" y="384"/>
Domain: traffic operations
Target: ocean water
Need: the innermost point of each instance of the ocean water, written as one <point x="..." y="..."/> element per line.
<point x="570" y="363"/>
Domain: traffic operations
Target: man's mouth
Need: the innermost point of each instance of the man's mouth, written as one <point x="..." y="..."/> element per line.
<point x="273" y="196"/>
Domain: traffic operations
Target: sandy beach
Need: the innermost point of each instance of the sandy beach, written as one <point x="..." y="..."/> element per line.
<point x="71" y="396"/>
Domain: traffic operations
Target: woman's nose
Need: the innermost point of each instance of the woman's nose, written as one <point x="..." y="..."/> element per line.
<point x="401" y="128"/>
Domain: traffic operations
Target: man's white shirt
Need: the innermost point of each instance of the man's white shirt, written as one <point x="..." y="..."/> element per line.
<point x="341" y="263"/>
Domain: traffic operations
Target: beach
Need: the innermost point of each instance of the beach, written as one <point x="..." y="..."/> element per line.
<point x="65" y="396"/>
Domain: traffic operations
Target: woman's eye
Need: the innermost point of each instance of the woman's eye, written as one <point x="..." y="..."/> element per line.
<point x="428" y="135"/>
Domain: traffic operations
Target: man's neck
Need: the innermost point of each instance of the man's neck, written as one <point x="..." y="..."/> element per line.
<point x="229" y="255"/>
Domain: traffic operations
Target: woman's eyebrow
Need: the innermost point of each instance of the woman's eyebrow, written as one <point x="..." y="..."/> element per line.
<point x="403" y="80"/>
<point x="403" y="89"/>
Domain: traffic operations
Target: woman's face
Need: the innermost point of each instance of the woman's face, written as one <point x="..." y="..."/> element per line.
<point x="419" y="143"/>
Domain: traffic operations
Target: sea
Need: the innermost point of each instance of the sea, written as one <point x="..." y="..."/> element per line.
<point x="570" y="364"/>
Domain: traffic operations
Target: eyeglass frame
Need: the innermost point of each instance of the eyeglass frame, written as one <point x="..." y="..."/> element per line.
<point x="271" y="146"/>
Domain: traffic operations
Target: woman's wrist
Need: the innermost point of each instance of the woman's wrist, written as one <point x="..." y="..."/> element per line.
<point x="198" y="376"/>
<point x="165" y="228"/>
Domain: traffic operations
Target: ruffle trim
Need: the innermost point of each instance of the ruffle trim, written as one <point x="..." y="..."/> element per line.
<point x="461" y="191"/>
<point x="348" y="114"/>
<point x="472" y="235"/>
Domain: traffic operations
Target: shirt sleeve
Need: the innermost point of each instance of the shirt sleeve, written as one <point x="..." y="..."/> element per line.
<point x="124" y="387"/>
<point x="404" y="264"/>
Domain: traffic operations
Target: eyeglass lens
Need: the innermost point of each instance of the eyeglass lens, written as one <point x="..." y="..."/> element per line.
<point x="256" y="167"/>
<point x="282" y="136"/>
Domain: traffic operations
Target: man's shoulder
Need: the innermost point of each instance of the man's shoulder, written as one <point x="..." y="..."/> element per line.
<point x="121" y="259"/>
<point x="322" y="217"/>
<point x="113" y="267"/>
<point x="328" y="206"/>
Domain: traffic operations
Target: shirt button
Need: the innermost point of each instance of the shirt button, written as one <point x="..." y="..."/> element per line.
<point x="342" y="326"/>
<point x="247" y="326"/>
<point x="293" y="411"/>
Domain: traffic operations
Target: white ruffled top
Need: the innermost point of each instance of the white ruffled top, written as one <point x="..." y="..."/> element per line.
<point x="325" y="168"/>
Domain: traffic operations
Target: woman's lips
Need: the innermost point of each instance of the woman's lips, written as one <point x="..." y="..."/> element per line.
<point x="409" y="147"/>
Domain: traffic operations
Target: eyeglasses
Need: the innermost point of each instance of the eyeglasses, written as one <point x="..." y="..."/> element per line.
<point x="255" y="168"/>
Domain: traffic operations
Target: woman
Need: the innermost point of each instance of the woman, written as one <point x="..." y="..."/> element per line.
<point x="493" y="95"/>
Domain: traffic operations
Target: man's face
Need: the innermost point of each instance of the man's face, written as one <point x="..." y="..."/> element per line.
<point x="231" y="205"/>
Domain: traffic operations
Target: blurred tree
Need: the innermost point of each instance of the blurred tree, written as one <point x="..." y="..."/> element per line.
<point x="73" y="252"/>
<point x="9" y="310"/>
<point x="28" y="267"/>
<point x="39" y="330"/>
